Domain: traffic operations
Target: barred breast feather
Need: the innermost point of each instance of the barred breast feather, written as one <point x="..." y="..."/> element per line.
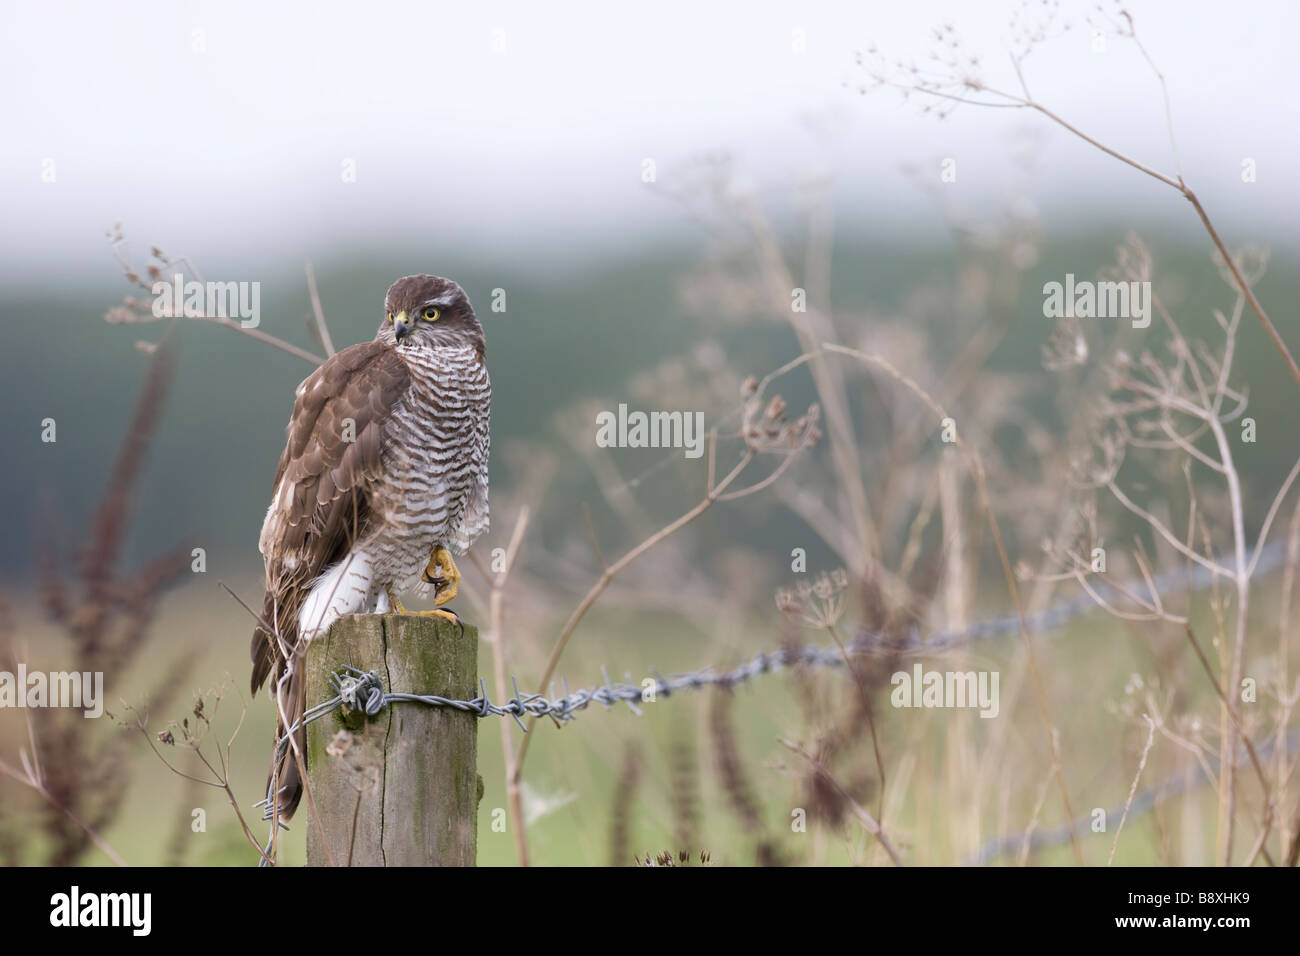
<point x="434" y="484"/>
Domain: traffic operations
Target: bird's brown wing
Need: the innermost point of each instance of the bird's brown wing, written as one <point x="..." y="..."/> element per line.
<point x="321" y="497"/>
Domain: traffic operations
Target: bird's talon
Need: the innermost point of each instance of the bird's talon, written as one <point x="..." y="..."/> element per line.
<point x="442" y="573"/>
<point x="447" y="614"/>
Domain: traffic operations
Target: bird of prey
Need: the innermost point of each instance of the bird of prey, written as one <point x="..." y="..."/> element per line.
<point x="385" y="469"/>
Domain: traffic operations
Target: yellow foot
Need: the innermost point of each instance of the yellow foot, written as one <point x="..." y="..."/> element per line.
<point x="443" y="574"/>
<point x="446" y="615"/>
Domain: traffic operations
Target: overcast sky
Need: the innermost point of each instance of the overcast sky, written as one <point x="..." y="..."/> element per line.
<point x="221" y="129"/>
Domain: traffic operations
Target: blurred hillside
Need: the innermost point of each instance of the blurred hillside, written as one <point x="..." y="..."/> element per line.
<point x="567" y="338"/>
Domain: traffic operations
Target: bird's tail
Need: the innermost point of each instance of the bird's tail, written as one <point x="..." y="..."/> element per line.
<point x="288" y="684"/>
<point x="284" y="777"/>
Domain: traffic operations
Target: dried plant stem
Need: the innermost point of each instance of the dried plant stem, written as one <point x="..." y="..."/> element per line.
<point x="608" y="575"/>
<point x="977" y="471"/>
<point x="1165" y="391"/>
<point x="1228" y="780"/>
<point x="871" y="718"/>
<point x="809" y="326"/>
<point x="868" y="822"/>
<point x="1232" y="714"/>
<point x="261" y="337"/>
<point x="1132" y="790"/>
<point x="39" y="787"/>
<point x="496" y="640"/>
<point x="1287" y="833"/>
<point x="1026" y="843"/>
<point x="1040" y="691"/>
<point x="134" y="315"/>
<point x="326" y="342"/>
<point x="220" y="781"/>
<point x="1013" y="100"/>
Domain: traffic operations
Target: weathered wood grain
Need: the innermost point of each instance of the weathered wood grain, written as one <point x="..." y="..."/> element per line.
<point x="402" y="788"/>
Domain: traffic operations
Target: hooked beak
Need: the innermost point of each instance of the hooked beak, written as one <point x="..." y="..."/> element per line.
<point x="401" y="327"/>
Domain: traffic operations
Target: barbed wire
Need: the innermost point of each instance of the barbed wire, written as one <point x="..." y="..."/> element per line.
<point x="1143" y="802"/>
<point x="358" y="690"/>
<point x="1271" y="557"/>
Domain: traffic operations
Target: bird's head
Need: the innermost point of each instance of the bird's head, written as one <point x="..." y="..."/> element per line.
<point x="427" y="311"/>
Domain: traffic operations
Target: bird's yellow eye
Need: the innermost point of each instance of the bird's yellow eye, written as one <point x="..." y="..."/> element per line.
<point x="431" y="314"/>
<point x="390" y="316"/>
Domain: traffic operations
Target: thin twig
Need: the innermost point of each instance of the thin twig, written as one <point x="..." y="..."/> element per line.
<point x="1132" y="790"/>
<point x="318" y="312"/>
<point x="868" y="822"/>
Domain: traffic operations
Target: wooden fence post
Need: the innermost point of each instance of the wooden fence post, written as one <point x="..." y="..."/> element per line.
<point x="400" y="788"/>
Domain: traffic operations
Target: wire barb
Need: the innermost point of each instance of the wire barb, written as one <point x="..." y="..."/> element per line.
<point x="364" y="690"/>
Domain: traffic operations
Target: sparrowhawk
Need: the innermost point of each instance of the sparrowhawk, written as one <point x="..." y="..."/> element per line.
<point x="384" y="470"/>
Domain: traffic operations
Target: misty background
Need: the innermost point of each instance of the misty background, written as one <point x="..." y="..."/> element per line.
<point x="505" y="146"/>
